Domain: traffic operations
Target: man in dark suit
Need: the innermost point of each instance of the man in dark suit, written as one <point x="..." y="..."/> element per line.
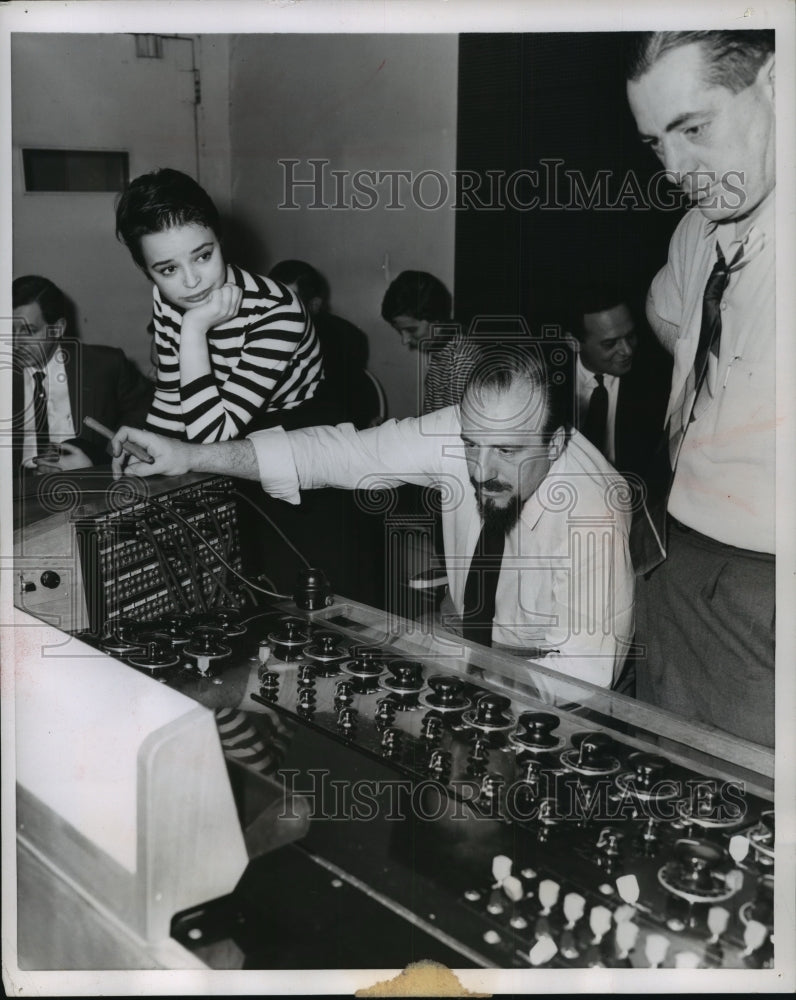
<point x="622" y="381"/>
<point x="57" y="381"/>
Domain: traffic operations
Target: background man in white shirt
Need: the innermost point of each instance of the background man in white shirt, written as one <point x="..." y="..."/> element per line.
<point x="704" y="103"/>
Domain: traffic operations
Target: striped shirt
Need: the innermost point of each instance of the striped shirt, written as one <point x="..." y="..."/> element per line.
<point x="450" y="366"/>
<point x="265" y="359"/>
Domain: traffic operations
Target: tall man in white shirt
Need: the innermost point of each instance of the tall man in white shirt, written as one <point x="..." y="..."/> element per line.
<point x="535" y="522"/>
<point x="704" y="103"/>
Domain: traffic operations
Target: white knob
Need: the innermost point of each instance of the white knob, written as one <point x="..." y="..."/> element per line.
<point x="600" y="922"/>
<point x="655" y="948"/>
<point x="626" y="937"/>
<point x="543" y="951"/>
<point x="624" y="913"/>
<point x="513" y="888"/>
<point x="627" y="887"/>
<point x="501" y="869"/>
<point x="574" y="905"/>
<point x="754" y="935"/>
<point x="686" y="960"/>
<point x="548" y="894"/>
<point x="738" y="848"/>
<point x="718" y="918"/>
<point x="734" y="879"/>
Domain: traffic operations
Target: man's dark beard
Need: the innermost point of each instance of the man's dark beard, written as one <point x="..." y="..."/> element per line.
<point x="499" y="517"/>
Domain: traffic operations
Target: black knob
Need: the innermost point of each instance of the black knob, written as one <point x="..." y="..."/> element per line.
<point x="28" y="586"/>
<point x="491" y="784"/>
<point x="175" y="627"/>
<point x="306" y="700"/>
<point x="327" y="643"/>
<point x="346" y="718"/>
<point x="532" y="772"/>
<point x="407" y="675"/>
<point x="767" y="822"/>
<point x="343" y="693"/>
<point x="594" y="750"/>
<point x="367" y="660"/>
<point x="648" y="769"/>
<point x="697" y="862"/>
<point x="292" y="629"/>
<point x="609" y="842"/>
<point x="478" y="757"/>
<point x="269" y="679"/>
<point x="313" y="590"/>
<point x="439" y="764"/>
<point x="390" y="741"/>
<point x="491" y="709"/>
<point x="206" y="640"/>
<point x="155" y="654"/>
<point x="431" y="729"/>
<point x="448" y="692"/>
<point x="535" y="729"/>
<point x="50" y="579"/>
<point x="306" y="676"/>
<point x="385" y="711"/>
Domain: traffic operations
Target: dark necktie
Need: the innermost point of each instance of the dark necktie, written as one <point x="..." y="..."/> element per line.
<point x="597" y="415"/>
<point x="40" y="414"/>
<point x="481" y="586"/>
<point x="648" y="531"/>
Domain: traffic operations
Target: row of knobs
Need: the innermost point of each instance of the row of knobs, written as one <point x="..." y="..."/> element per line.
<point x="608" y="936"/>
<point x="163" y="643"/>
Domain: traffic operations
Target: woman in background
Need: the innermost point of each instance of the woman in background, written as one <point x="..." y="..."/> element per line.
<point x="418" y="307"/>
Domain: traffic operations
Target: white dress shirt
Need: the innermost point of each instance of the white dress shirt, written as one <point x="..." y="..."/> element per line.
<point x="59" y="409"/>
<point x="586" y="383"/>
<point x="724" y="483"/>
<point x="566" y="580"/>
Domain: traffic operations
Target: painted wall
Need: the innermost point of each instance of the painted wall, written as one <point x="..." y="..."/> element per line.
<point x="92" y="92"/>
<point x="360" y="102"/>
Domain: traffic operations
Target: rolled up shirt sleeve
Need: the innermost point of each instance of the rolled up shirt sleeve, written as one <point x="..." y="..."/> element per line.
<point x="277" y="467"/>
<point x="397" y="451"/>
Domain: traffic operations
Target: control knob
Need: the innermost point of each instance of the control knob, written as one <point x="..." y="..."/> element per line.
<point x="447" y="694"/>
<point x="407" y="677"/>
<point x="491" y="712"/>
<point x="535" y="731"/>
<point x="313" y="590"/>
<point x="325" y="654"/>
<point x="289" y="640"/>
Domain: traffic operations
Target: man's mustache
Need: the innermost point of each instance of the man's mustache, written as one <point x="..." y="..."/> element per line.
<point x="493" y="485"/>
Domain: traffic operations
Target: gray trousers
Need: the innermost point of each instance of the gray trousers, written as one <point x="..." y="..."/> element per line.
<point x="705" y="622"/>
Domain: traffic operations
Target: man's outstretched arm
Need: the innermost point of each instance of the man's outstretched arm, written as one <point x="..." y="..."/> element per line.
<point x="174" y="458"/>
